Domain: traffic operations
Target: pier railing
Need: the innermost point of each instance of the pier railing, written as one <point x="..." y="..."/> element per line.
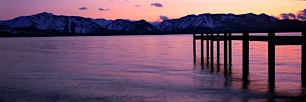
<point x="227" y="38"/>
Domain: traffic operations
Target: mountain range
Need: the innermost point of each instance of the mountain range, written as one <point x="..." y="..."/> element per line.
<point x="48" y="23"/>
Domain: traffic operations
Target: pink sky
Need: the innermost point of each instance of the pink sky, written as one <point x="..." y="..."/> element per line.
<point x="126" y="9"/>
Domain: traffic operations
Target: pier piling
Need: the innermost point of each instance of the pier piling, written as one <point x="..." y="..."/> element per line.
<point x="245" y="56"/>
<point x="225" y="51"/>
<point x="194" y="46"/>
<point x="202" y="47"/>
<point x="212" y="50"/>
<point x="218" y="50"/>
<point x="230" y="49"/>
<point x="207" y="49"/>
<point x="271" y="57"/>
<point x="303" y="67"/>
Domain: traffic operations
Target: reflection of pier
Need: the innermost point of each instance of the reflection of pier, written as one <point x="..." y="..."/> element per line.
<point x="227" y="38"/>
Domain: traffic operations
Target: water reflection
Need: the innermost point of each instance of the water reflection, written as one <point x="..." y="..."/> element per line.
<point x="227" y="74"/>
<point x="137" y="68"/>
<point x="229" y="80"/>
<point x="228" y="77"/>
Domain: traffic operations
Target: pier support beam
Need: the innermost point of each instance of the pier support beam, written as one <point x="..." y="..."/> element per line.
<point x="212" y="51"/>
<point x="202" y="48"/>
<point x="218" y="53"/>
<point x="230" y="50"/>
<point x="218" y="50"/>
<point x="194" y="46"/>
<point x="271" y="58"/>
<point x="207" y="49"/>
<point x="303" y="69"/>
<point x="245" y="56"/>
<point x="225" y="52"/>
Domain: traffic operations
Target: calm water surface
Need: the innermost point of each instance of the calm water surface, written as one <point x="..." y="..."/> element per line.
<point x="138" y="68"/>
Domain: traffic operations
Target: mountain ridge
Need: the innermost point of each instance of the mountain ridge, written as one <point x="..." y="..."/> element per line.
<point x="47" y="23"/>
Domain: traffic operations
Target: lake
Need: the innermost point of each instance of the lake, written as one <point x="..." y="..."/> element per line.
<point x="138" y="68"/>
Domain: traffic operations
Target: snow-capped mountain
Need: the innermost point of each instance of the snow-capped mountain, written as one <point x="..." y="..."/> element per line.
<point x="47" y="23"/>
<point x="102" y="22"/>
<point x="219" y="22"/>
<point x="125" y="26"/>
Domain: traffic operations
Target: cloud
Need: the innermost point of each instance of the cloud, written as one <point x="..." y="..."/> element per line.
<point x="288" y="16"/>
<point x="163" y="17"/>
<point x="83" y="8"/>
<point x="137" y="5"/>
<point x="103" y="9"/>
<point x="301" y="15"/>
<point x="157" y="4"/>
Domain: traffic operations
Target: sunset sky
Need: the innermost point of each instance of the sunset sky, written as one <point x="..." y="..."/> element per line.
<point x="150" y="10"/>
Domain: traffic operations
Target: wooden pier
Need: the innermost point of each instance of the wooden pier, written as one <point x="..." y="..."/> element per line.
<point x="227" y="38"/>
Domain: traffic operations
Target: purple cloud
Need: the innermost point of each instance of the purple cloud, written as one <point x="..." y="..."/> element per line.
<point x="83" y="8"/>
<point x="157" y="4"/>
<point x="163" y="17"/>
<point x="288" y="16"/>
<point x="301" y="15"/>
<point x="103" y="9"/>
<point x="137" y="5"/>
